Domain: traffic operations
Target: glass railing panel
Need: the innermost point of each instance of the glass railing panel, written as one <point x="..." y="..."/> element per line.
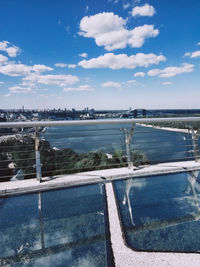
<point x="67" y="226"/>
<point x="161" y="213"/>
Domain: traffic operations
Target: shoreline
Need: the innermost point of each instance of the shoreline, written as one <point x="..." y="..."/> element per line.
<point x="170" y="129"/>
<point x="18" y="136"/>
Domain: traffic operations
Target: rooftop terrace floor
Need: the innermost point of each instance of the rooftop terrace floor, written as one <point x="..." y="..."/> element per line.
<point x="123" y="255"/>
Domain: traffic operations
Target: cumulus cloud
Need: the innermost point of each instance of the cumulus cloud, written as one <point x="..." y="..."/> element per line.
<point x="10" y="49"/>
<point x="3" y="58"/>
<point x="192" y="54"/>
<point x="60" y="65"/>
<point x="16" y="69"/>
<point x="109" y="30"/>
<point x="83" y="55"/>
<point x="60" y="80"/>
<point x="145" y="10"/>
<point x="112" y="61"/>
<point x="20" y="89"/>
<point x="71" y="66"/>
<point x="111" y="84"/>
<point x="139" y="74"/>
<point x="40" y="68"/>
<point x="166" y="83"/>
<point x="171" y="71"/>
<point x="85" y="87"/>
<point x="63" y="65"/>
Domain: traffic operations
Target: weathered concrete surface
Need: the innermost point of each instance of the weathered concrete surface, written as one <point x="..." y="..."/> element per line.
<point x="126" y="257"/>
<point x="100" y="176"/>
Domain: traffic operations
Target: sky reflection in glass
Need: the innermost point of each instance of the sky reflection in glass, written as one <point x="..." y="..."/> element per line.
<point x="65" y="227"/>
<point x="161" y="213"/>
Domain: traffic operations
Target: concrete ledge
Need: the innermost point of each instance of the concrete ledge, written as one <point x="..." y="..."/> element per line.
<point x="93" y="177"/>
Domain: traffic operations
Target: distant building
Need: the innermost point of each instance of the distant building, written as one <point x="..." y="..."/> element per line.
<point x="139" y="113"/>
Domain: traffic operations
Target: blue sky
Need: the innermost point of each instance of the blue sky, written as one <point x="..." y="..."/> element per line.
<point x="108" y="54"/>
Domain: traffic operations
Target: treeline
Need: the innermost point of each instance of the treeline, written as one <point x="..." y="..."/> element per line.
<point x="18" y="155"/>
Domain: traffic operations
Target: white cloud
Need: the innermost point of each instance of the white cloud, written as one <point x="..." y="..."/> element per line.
<point x="19" y="89"/>
<point x="131" y="82"/>
<point x="145" y="10"/>
<point x="139" y="34"/>
<point x="1" y="83"/>
<point x="171" y="71"/>
<point x="166" y="83"/>
<point x="111" y="84"/>
<point x="114" y="1"/>
<point x="67" y="29"/>
<point x="198" y="43"/>
<point x="60" y="65"/>
<point x="40" y="68"/>
<point x="15" y="69"/>
<point x="3" y="58"/>
<point x="83" y="55"/>
<point x="71" y="66"/>
<point x="7" y="95"/>
<point x="139" y="74"/>
<point x="100" y="23"/>
<point x="42" y="95"/>
<point x="126" y="5"/>
<point x="192" y="54"/>
<point x="10" y="49"/>
<point x="109" y="30"/>
<point x="79" y="88"/>
<point x="60" y="80"/>
<point x="112" y="61"/>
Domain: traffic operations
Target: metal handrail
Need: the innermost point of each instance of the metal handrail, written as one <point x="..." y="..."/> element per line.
<point x="128" y="133"/>
<point x="94" y="122"/>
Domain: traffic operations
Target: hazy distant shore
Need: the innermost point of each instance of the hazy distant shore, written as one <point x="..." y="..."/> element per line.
<point x="170" y="129"/>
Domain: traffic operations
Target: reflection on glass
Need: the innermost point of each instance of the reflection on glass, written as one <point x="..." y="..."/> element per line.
<point x="57" y="228"/>
<point x="161" y="213"/>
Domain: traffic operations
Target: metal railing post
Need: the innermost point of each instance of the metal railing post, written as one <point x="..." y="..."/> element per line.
<point x="37" y="156"/>
<point x="195" y="138"/>
<point x="128" y="138"/>
<point x="41" y="220"/>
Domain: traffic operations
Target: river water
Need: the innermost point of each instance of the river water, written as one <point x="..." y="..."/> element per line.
<point x="158" y="145"/>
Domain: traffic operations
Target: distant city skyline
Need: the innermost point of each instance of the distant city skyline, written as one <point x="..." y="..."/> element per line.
<point x="108" y="54"/>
